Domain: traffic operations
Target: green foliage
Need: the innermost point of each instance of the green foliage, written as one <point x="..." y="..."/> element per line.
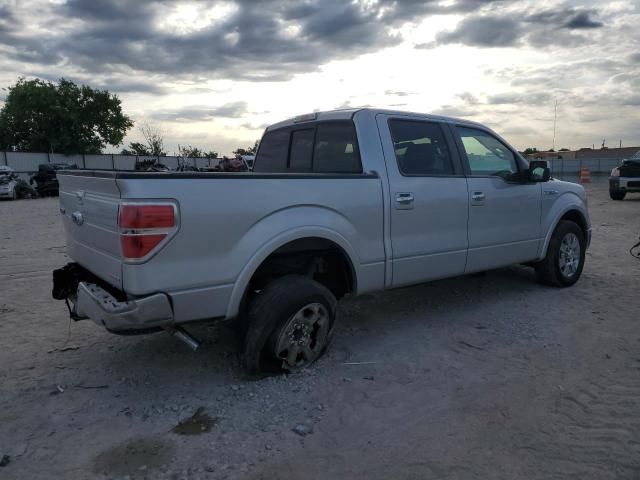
<point x="154" y="142"/>
<point x="530" y="150"/>
<point x="41" y="116"/>
<point x="136" y="148"/>
<point x="187" y="151"/>
<point x="564" y="150"/>
<point x="247" y="151"/>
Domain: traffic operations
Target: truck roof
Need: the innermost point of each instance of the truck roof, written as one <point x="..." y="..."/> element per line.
<point x="348" y="113"/>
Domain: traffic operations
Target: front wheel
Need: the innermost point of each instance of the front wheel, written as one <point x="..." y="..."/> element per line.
<point x="289" y="325"/>
<point x="563" y="264"/>
<point x="616" y="194"/>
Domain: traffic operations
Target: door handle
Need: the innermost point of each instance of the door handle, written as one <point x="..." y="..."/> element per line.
<point x="478" y="196"/>
<point x="404" y="201"/>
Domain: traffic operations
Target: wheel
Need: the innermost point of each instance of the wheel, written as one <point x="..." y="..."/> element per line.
<point x="616" y="194"/>
<point x="565" y="256"/>
<point x="289" y="325"/>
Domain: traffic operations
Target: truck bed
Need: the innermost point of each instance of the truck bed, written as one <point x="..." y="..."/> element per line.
<point x="225" y="221"/>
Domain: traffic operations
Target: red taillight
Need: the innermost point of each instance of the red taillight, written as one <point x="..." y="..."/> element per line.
<point x="143" y="227"/>
<point x="139" y="246"/>
<point x="147" y="216"/>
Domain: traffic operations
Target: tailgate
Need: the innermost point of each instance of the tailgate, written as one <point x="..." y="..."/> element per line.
<point x="89" y="206"/>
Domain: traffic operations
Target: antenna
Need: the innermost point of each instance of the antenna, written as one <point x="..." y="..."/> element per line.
<point x="555" y="118"/>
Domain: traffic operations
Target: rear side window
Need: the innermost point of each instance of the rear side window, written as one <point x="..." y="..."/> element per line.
<point x="336" y="149"/>
<point x="420" y="148"/>
<point x="325" y="147"/>
<point x="272" y="155"/>
<point x="301" y="150"/>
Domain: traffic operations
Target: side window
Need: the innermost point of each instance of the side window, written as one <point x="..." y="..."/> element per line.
<point x="301" y="150"/>
<point x="336" y="149"/>
<point x="272" y="154"/>
<point x="420" y="148"/>
<point x="487" y="155"/>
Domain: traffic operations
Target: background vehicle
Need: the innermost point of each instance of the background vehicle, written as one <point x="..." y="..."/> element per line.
<point x="8" y="183"/>
<point x="338" y="203"/>
<point x="46" y="179"/>
<point x="12" y="186"/>
<point x="625" y="178"/>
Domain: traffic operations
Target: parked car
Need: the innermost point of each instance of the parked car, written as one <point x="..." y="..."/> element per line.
<point x="339" y="203"/>
<point x="8" y="183"/>
<point x="46" y="178"/>
<point x="625" y="178"/>
<point x="12" y="186"/>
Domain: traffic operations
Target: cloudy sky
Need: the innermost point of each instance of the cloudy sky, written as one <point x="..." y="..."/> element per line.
<point x="213" y="74"/>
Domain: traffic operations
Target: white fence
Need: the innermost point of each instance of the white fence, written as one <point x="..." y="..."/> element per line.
<point x="26" y="162"/>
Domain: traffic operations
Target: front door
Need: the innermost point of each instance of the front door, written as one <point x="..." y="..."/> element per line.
<point x="429" y="204"/>
<point x="504" y="217"/>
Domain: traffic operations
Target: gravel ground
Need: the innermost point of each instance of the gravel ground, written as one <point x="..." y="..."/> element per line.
<point x="489" y="376"/>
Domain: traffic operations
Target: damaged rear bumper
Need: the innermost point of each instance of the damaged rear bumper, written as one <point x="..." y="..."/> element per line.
<point x="89" y="297"/>
<point x="94" y="302"/>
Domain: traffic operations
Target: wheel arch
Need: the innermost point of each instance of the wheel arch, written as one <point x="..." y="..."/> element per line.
<point x="572" y="212"/>
<point x="269" y="248"/>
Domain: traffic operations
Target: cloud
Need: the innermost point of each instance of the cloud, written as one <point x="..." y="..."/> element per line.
<point x="201" y="114"/>
<point x="515" y="98"/>
<point x="570" y="18"/>
<point x="483" y="31"/>
<point x="397" y="93"/>
<point x="513" y="29"/>
<point x="266" y="41"/>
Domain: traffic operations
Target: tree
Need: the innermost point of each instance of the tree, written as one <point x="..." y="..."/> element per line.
<point x="136" y="148"/>
<point x="41" y="116"/>
<point x="564" y="150"/>
<point x="187" y="151"/>
<point x="530" y="150"/>
<point x="155" y="139"/>
<point x="154" y="142"/>
<point x="247" y="151"/>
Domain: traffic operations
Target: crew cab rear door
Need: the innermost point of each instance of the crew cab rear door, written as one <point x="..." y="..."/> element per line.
<point x="429" y="207"/>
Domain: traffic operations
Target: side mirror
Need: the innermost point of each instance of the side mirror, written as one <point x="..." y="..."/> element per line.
<point x="539" y="171"/>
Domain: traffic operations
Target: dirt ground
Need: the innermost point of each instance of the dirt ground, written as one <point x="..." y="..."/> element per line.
<point x="482" y="377"/>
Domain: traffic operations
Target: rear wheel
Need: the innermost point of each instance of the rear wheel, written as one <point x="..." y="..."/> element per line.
<point x="289" y="325"/>
<point x="616" y="194"/>
<point x="563" y="264"/>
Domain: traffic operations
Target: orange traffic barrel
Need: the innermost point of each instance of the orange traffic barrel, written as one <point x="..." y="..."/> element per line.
<point x="585" y="175"/>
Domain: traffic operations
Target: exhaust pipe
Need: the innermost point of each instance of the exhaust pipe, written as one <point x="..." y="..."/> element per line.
<point x="181" y="334"/>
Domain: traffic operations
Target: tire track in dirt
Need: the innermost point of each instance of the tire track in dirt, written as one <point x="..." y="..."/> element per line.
<point x="595" y="431"/>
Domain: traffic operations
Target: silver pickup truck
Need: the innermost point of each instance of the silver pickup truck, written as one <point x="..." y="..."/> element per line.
<point x="338" y="203"/>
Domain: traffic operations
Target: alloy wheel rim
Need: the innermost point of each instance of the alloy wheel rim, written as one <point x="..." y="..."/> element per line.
<point x="569" y="258"/>
<point x="303" y="336"/>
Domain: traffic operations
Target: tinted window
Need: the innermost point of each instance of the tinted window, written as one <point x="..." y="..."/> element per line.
<point x="272" y="155"/>
<point x="487" y="155"/>
<point x="420" y="148"/>
<point x="301" y="150"/>
<point x="336" y="149"/>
